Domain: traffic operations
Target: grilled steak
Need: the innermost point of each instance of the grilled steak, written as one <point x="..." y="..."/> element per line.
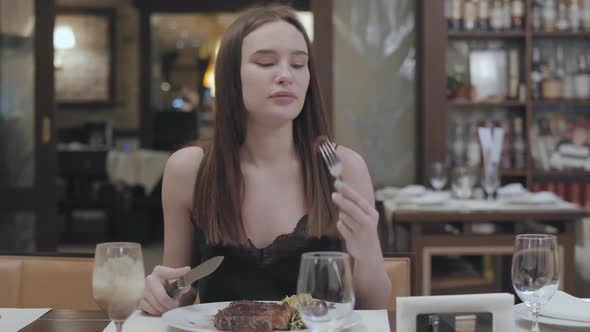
<point x="253" y="316"/>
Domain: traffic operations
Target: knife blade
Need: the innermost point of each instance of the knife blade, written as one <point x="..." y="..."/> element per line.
<point x="200" y="271"/>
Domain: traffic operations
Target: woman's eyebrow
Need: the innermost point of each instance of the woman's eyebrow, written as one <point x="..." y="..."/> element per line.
<point x="273" y="52"/>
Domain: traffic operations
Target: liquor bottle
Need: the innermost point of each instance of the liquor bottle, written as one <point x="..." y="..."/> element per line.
<point x="586" y="15"/>
<point x="536" y="74"/>
<point x="575" y="15"/>
<point x="518" y="145"/>
<point x="469" y="15"/>
<point x="549" y="15"/>
<point x="458" y="145"/>
<point x="473" y="149"/>
<point x="483" y="15"/>
<point x="506" y="154"/>
<point x="551" y="82"/>
<point x="563" y="23"/>
<point x="517" y="12"/>
<point x="513" y="74"/>
<point x="568" y="88"/>
<point x="560" y="63"/>
<point x="455" y="20"/>
<point x="537" y="15"/>
<point x="582" y="79"/>
<point x="506" y="14"/>
<point x="497" y="15"/>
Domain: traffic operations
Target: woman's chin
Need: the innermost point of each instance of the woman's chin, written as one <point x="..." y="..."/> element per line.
<point x="277" y="116"/>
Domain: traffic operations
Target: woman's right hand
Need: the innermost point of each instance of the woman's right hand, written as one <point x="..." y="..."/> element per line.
<point x="155" y="300"/>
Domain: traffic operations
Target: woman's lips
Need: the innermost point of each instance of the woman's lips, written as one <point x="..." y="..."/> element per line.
<point x="283" y="98"/>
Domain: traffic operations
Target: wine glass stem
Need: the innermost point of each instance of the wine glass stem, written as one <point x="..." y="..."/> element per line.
<point x="119" y="326"/>
<point x="535" y="325"/>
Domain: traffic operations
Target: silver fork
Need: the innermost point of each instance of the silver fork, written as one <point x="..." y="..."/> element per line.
<point x="328" y="151"/>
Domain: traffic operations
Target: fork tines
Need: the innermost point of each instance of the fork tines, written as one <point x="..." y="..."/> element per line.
<point x="328" y="152"/>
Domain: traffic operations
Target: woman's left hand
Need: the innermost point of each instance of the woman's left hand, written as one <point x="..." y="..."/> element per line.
<point x="357" y="222"/>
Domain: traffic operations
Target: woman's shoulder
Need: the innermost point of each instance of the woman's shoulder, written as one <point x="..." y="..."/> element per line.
<point x="184" y="162"/>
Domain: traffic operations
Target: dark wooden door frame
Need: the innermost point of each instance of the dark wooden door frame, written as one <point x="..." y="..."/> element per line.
<point x="431" y="75"/>
<point x="40" y="198"/>
<point x="323" y="45"/>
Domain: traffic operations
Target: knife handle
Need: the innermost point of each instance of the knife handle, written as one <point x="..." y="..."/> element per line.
<point x="172" y="289"/>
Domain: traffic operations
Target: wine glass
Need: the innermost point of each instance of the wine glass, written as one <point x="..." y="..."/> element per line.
<point x="438" y="176"/>
<point x="490" y="180"/>
<point x="535" y="271"/>
<point x="118" y="279"/>
<point x="325" y="291"/>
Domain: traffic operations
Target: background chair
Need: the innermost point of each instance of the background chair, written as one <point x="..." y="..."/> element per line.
<point x="399" y="270"/>
<point x="59" y="282"/>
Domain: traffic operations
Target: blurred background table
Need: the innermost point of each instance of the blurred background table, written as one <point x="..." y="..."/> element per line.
<point x="481" y="231"/>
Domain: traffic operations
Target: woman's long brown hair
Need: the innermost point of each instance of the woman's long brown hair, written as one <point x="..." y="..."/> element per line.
<point x="219" y="188"/>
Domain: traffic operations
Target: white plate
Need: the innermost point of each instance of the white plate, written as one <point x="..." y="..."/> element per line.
<point x="199" y="317"/>
<point x="521" y="311"/>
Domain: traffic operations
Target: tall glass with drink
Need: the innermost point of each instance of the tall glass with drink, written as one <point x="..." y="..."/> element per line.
<point x="118" y="279"/>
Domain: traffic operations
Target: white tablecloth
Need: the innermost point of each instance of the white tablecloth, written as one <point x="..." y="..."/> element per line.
<point x="373" y="320"/>
<point x="14" y="319"/>
<point x="525" y="326"/>
<point x="143" y="167"/>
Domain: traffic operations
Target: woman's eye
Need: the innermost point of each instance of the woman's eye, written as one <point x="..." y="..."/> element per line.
<point x="264" y="64"/>
<point x="296" y="65"/>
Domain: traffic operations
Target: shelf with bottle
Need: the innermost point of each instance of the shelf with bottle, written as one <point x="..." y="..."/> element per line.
<point x="561" y="18"/>
<point x="463" y="142"/>
<point x="561" y="34"/>
<point x="560" y="73"/>
<point x="561" y="102"/>
<point x="560" y="143"/>
<point x="486" y="74"/>
<point x="467" y="104"/>
<point x="486" y="34"/>
<point x="470" y="18"/>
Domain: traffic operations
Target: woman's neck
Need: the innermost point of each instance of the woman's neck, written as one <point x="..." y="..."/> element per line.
<point x="264" y="147"/>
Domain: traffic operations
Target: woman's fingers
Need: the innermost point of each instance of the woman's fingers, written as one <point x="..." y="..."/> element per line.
<point x="168" y="273"/>
<point x="344" y="230"/>
<point x="155" y="288"/>
<point x="348" y="207"/>
<point x="353" y="196"/>
<point x="147" y="307"/>
<point x="351" y="223"/>
<point x="151" y="299"/>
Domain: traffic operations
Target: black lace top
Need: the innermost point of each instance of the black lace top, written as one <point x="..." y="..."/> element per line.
<point x="251" y="273"/>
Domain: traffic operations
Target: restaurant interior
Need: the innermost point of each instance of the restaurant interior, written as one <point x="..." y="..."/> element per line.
<point x="473" y="117"/>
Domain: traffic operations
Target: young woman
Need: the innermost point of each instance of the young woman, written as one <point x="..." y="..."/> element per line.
<point x="259" y="194"/>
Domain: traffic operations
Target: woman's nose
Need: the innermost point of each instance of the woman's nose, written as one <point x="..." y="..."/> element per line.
<point x="284" y="75"/>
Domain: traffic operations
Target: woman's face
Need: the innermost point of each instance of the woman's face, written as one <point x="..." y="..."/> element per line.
<point x="274" y="72"/>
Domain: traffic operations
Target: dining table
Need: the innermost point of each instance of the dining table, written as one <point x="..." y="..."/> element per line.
<point x="61" y="320"/>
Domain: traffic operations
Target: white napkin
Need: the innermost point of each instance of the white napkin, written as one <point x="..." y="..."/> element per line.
<point x="564" y="306"/>
<point x="500" y="305"/>
<point x="373" y="320"/>
<point x="412" y="190"/>
<point x="491" y="143"/>
<point x="14" y="319"/>
<point x="141" y="322"/>
<point x="386" y="193"/>
<point x="511" y="190"/>
<point x="538" y="198"/>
